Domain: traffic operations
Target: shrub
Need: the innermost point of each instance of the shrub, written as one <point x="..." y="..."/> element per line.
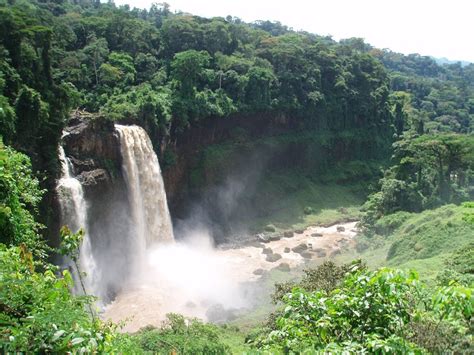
<point x="20" y="195"/>
<point x="270" y="228"/>
<point x="386" y="311"/>
<point x="308" y="210"/>
<point x="183" y="336"/>
<point x="388" y="224"/>
<point x="39" y="314"/>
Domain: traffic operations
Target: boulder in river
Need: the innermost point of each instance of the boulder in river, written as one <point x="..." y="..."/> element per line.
<point x="259" y="272"/>
<point x="340" y="228"/>
<point x="320" y="252"/>
<point x="262" y="237"/>
<point x="218" y="314"/>
<point x="300" y="248"/>
<point x="335" y="252"/>
<point x="267" y="251"/>
<point x="288" y="234"/>
<point x="273" y="237"/>
<point x="273" y="257"/>
<point x="284" y="267"/>
<point x="286" y="250"/>
<point x="316" y="235"/>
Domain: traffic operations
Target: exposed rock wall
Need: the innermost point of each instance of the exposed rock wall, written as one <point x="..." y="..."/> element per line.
<point x="188" y="146"/>
<point x="94" y="149"/>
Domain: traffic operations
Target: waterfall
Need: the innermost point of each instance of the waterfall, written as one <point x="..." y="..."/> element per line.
<point x="146" y="192"/>
<point x="74" y="215"/>
<point x="122" y="220"/>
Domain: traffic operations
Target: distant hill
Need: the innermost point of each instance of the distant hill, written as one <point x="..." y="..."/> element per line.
<point x="444" y="60"/>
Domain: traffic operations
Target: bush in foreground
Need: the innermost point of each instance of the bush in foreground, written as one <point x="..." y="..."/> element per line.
<point x="385" y="311"/>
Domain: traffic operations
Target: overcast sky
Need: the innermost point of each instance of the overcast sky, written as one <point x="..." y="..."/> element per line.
<point x="441" y="28"/>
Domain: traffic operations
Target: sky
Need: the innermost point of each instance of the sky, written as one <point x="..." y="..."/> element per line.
<point x="439" y="28"/>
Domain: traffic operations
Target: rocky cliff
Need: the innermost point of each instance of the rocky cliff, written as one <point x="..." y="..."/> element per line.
<point x="93" y="148"/>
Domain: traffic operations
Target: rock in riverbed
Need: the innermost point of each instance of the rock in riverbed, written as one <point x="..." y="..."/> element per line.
<point x="284" y="267"/>
<point x="273" y="257"/>
<point x="300" y="248"/>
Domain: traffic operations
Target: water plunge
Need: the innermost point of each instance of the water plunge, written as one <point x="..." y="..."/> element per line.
<point x="129" y="253"/>
<point x="114" y="249"/>
<point x="145" y="186"/>
<point x="74" y="215"/>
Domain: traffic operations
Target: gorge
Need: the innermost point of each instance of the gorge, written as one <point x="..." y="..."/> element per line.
<point x="189" y="276"/>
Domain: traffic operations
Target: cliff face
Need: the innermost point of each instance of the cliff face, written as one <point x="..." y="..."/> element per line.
<point x="187" y="148"/>
<point x="221" y="170"/>
<point x="94" y="151"/>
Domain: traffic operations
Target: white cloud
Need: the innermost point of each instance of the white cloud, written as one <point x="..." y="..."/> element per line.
<point x="430" y="27"/>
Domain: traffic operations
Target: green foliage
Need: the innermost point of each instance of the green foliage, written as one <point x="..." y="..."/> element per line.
<point x="428" y="242"/>
<point x="459" y="267"/>
<point x="38" y="312"/>
<point x="374" y="311"/>
<point x="439" y="96"/>
<point x="7" y="114"/>
<point x="469" y="214"/>
<point x="427" y="171"/>
<point x="143" y="104"/>
<point x="388" y="224"/>
<point x="431" y="233"/>
<point x="326" y="277"/>
<point x="213" y="67"/>
<point x="181" y="335"/>
<point x="20" y="195"/>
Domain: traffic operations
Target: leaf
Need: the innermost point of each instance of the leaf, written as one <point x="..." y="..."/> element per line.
<point x="58" y="334"/>
<point x="76" y="341"/>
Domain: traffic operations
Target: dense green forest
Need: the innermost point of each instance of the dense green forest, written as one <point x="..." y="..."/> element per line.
<point x="172" y="72"/>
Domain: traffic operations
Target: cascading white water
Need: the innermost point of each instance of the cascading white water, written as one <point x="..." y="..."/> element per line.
<point x="123" y="223"/>
<point x="146" y="192"/>
<point x="74" y="215"/>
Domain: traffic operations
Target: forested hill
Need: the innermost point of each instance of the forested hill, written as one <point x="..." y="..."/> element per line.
<point x="441" y="96"/>
<point x="169" y="71"/>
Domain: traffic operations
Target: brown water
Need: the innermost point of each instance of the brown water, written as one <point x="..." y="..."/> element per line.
<point x="190" y="278"/>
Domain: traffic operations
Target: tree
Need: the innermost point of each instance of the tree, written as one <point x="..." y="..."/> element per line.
<point x="96" y="51"/>
<point x="19" y="198"/>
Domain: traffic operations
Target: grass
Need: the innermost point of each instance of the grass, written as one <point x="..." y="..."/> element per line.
<point x="233" y="337"/>
<point x="284" y="197"/>
<point x="423" y="241"/>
